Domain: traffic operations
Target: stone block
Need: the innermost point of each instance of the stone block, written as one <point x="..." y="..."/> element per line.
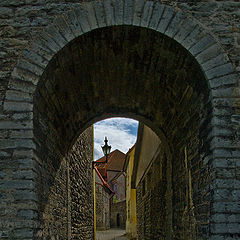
<point x="220" y="71"/>
<point x="219" y="218"/>
<point x="24" y="174"/>
<point x="21" y="134"/>
<point x="64" y="28"/>
<point x="226" y="184"/>
<point x="23" y="116"/>
<point x="214" y="62"/>
<point x="17" y="184"/>
<point x="82" y="19"/>
<point x="91" y="15"/>
<point x="20" y="153"/>
<point x="13" y="95"/>
<point x="23" y="233"/>
<point x="226" y="92"/>
<point x="201" y="45"/>
<point x="100" y="14"/>
<point x="138" y="10"/>
<point x="23" y="195"/>
<point x="57" y="37"/>
<point x="233" y="218"/>
<point x="18" y="106"/>
<point x="16" y="125"/>
<point x="16" y="143"/>
<point x="156" y="15"/>
<point x="73" y="23"/>
<point x="109" y="13"/>
<point x="176" y="24"/>
<point x="25" y="75"/>
<point x="225" y="80"/>
<point x="147" y="13"/>
<point x="165" y="20"/>
<point x="209" y="53"/>
<point x="218" y="228"/>
<point x="128" y="12"/>
<point x="17" y="84"/>
<point x="118" y="11"/>
<point x="192" y="36"/>
<point x="44" y="39"/>
<point x="27" y="214"/>
<point x="38" y="56"/>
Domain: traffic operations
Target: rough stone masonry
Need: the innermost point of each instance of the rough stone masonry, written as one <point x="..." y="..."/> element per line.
<point x="62" y="67"/>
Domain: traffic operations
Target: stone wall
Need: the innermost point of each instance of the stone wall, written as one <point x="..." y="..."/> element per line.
<point x="102" y="208"/>
<point x="172" y="195"/>
<point x="21" y="21"/>
<point x="153" y="208"/>
<point x="66" y="193"/>
<point x="202" y="48"/>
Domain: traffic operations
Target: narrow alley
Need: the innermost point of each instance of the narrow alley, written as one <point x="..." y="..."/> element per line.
<point x="111" y="234"/>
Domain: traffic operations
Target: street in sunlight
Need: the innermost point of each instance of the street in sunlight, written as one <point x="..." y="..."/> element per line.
<point x="112" y="234"/>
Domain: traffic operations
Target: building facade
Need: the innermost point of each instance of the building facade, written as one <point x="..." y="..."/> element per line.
<point x="103" y="194"/>
<point x="118" y="202"/>
<point x="131" y="214"/>
<point x="114" y="177"/>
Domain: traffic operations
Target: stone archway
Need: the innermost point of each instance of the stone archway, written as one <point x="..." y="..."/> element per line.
<point x="150" y="20"/>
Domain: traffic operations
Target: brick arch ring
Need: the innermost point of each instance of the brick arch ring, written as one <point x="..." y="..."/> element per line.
<point x="188" y="32"/>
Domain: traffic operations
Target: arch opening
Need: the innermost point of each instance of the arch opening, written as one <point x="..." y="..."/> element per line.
<point x="137" y="73"/>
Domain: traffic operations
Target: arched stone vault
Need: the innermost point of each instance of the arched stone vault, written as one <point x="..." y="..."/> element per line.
<point x="33" y="85"/>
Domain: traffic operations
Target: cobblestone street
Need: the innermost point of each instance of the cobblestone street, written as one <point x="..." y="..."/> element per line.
<point x="112" y="234"/>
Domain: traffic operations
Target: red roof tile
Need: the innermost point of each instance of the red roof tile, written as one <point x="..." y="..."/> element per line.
<point x="116" y="161"/>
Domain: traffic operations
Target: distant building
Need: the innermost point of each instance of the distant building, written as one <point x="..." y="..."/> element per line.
<point x="103" y="196"/>
<point x="118" y="202"/>
<point x="131" y="214"/>
<point x="112" y="173"/>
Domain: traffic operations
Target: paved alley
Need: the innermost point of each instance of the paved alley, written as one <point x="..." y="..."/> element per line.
<point x="111" y="234"/>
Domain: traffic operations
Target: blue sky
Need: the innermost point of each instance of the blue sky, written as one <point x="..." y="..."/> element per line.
<point x="121" y="133"/>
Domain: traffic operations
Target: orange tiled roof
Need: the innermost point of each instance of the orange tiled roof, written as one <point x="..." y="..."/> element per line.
<point x="116" y="161"/>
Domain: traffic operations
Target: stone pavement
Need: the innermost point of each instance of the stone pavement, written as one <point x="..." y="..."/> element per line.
<point x="111" y="234"/>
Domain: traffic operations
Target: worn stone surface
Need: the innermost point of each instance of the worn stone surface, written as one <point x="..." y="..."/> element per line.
<point x="102" y="208"/>
<point x="66" y="112"/>
<point x="66" y="194"/>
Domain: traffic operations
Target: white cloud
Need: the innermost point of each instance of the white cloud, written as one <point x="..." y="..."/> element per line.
<point x="118" y="131"/>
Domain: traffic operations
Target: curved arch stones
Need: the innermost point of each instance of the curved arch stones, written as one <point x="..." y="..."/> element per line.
<point x="218" y="70"/>
<point x="215" y="64"/>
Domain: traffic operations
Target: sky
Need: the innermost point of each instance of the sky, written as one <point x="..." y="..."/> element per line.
<point x="121" y="134"/>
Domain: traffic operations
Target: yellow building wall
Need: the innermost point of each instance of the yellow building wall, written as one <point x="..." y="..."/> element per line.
<point x="131" y="222"/>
